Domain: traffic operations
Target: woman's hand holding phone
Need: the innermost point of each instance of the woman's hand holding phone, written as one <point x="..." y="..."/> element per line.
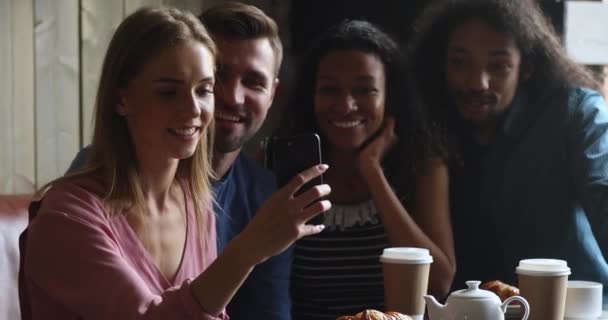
<point x="282" y="219"/>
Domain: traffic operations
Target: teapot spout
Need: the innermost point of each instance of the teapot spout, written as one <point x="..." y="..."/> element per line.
<point x="435" y="308"/>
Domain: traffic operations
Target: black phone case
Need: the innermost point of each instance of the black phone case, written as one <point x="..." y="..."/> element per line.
<point x="288" y="156"/>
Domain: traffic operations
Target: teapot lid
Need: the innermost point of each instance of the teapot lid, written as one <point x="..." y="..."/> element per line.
<point x="473" y="292"/>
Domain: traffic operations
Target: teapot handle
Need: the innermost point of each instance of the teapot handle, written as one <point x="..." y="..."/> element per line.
<point x="523" y="302"/>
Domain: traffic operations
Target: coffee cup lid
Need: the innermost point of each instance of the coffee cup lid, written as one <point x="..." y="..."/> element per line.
<point x="543" y="267"/>
<point x="406" y="255"/>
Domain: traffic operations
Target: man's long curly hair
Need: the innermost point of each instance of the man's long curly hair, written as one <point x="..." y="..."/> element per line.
<point x="541" y="51"/>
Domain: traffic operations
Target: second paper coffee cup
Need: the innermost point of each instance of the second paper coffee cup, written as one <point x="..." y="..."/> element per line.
<point x="543" y="283"/>
<point x="406" y="277"/>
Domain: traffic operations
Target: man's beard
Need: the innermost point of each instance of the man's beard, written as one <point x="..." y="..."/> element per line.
<point x="230" y="143"/>
<point x="226" y="142"/>
<point x="461" y="99"/>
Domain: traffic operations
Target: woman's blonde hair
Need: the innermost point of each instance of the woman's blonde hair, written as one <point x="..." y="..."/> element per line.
<point x="140" y="37"/>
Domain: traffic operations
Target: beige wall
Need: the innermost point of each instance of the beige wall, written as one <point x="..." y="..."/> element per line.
<point x="17" y="165"/>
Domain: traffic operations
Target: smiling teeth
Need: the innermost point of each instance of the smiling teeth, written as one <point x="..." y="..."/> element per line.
<point x="223" y="116"/>
<point x="349" y="124"/>
<point x="185" y="132"/>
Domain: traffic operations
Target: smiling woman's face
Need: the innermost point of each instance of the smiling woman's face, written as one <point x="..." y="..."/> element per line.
<point x="349" y="97"/>
<point x="170" y="102"/>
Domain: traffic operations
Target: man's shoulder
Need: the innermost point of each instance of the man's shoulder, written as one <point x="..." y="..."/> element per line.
<point x="81" y="158"/>
<point x="581" y="93"/>
<point x="572" y="102"/>
<point x="584" y="100"/>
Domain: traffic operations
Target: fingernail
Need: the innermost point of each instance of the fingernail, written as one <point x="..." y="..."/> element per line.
<point x="321" y="226"/>
<point x="323" y="167"/>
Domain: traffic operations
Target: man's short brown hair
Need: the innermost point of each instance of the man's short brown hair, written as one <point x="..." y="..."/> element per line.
<point x="242" y="21"/>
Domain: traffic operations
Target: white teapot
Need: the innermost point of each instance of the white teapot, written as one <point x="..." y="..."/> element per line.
<point x="472" y="304"/>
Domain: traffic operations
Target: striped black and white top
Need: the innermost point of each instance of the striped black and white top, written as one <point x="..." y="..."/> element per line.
<point x="338" y="271"/>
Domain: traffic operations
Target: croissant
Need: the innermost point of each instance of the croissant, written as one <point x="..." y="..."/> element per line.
<point x="502" y="290"/>
<point x="371" y="314"/>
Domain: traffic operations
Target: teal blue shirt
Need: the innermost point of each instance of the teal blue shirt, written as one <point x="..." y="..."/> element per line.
<point x="539" y="191"/>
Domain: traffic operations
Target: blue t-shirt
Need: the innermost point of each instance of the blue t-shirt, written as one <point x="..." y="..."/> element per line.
<point x="265" y="293"/>
<point x="539" y="191"/>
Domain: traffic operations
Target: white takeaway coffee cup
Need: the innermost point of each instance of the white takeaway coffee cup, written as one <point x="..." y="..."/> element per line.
<point x="406" y="278"/>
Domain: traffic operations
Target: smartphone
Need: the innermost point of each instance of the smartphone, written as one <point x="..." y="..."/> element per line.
<point x="288" y="156"/>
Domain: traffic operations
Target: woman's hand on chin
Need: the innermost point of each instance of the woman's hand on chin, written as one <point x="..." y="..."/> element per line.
<point x="370" y="157"/>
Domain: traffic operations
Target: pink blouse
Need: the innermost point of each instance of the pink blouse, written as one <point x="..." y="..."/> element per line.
<point x="82" y="263"/>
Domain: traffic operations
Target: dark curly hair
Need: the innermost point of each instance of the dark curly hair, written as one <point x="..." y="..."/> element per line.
<point x="533" y="34"/>
<point x="415" y="139"/>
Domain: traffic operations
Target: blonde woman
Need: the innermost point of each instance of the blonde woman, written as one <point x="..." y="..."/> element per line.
<point x="132" y="236"/>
